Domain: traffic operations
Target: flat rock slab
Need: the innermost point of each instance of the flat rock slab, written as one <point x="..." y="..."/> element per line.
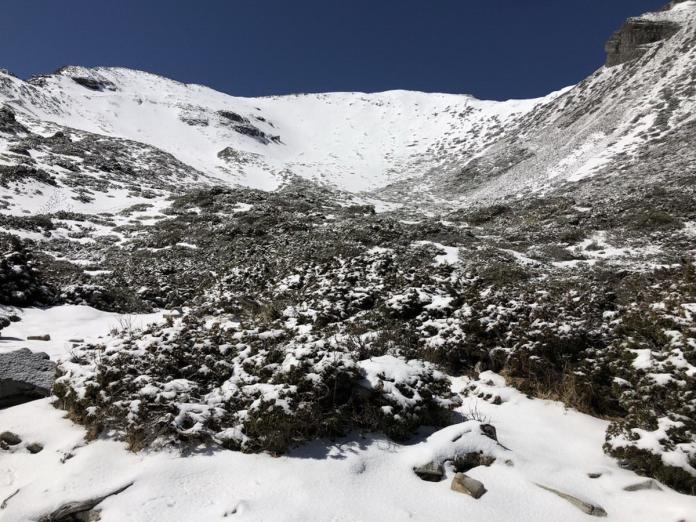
<point x="25" y="376"/>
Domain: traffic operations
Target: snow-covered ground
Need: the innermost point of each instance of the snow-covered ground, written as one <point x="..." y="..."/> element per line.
<point x="361" y="478"/>
<point x="64" y="324"/>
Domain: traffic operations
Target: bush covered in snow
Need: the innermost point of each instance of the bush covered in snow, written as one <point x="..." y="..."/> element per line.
<point x="292" y="294"/>
<point x="20" y="281"/>
<point x="202" y="381"/>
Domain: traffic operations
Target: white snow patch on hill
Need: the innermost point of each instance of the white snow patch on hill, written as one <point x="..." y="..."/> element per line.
<point x="65" y="323"/>
<point x="353" y="141"/>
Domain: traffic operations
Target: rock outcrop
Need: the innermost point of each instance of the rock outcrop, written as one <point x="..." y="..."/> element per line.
<point x="631" y="41"/>
<point x="24" y="376"/>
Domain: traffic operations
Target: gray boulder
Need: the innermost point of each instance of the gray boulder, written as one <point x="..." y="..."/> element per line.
<point x="432" y="471"/>
<point x="25" y="376"/>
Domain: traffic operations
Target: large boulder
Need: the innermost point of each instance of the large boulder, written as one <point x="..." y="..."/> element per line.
<point x="25" y="376"/>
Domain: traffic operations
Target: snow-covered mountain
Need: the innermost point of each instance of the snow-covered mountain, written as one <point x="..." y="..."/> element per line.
<point x="402" y="145"/>
<point x="383" y="297"/>
<point x="448" y="147"/>
<point x="352" y="141"/>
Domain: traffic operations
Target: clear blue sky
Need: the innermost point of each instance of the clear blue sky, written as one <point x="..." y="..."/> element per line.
<point x="494" y="49"/>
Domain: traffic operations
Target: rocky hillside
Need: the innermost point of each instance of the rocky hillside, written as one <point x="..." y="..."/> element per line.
<point x="409" y="241"/>
<point x="638" y="108"/>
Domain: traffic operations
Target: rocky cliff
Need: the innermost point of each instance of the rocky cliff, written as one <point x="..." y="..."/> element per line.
<point x="631" y="41"/>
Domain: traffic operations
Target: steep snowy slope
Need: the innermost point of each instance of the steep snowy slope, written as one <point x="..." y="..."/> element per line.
<point x="351" y="141"/>
<point x="642" y="101"/>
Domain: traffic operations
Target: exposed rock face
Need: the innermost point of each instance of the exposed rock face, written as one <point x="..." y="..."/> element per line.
<point x="93" y="84"/>
<point x="24" y="376"/>
<point x="672" y="4"/>
<point x="631" y="41"/>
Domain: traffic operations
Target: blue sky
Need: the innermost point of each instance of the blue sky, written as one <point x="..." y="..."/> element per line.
<point x="493" y="49"/>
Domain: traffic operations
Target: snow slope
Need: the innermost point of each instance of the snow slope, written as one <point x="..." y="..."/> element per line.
<point x="64" y="324"/>
<point x="595" y="130"/>
<point x="353" y="141"/>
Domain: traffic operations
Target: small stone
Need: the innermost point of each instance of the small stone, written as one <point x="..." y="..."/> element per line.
<point x="462" y="483"/>
<point x="44" y="337"/>
<point x="10" y="438"/>
<point x="645" y="485"/>
<point x="431" y="472"/>
<point x="76" y="340"/>
<point x="34" y="447"/>
<point x="594" y="475"/>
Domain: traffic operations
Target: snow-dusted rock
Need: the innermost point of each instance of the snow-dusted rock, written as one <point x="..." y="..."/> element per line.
<point x="35" y="447"/>
<point x="25" y="376"/>
<point x="10" y="438"/>
<point x="432" y="471"/>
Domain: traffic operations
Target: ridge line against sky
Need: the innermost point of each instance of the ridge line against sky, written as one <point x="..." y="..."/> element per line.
<point x="498" y="49"/>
